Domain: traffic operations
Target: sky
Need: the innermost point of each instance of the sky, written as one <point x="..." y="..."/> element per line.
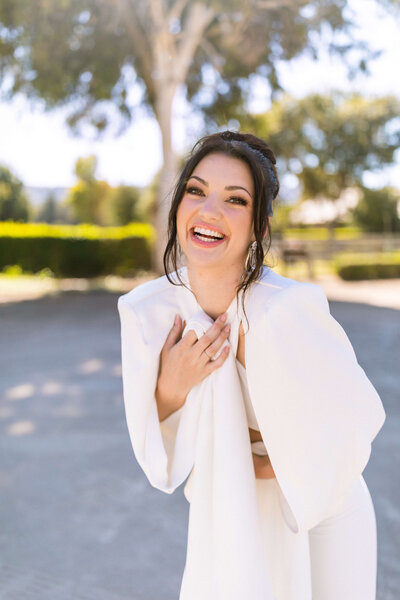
<point x="41" y="150"/>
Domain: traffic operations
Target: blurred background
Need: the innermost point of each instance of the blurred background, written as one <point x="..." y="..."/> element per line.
<point x="100" y="101"/>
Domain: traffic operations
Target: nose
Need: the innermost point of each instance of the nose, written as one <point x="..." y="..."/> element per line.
<point x="210" y="208"/>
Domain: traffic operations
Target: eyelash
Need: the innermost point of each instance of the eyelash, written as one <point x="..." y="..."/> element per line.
<point x="192" y="190"/>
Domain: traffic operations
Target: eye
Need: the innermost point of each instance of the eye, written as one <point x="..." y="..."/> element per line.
<point x="191" y="189"/>
<point x="238" y="200"/>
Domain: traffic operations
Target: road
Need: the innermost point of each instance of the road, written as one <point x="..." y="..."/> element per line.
<point x="79" y="519"/>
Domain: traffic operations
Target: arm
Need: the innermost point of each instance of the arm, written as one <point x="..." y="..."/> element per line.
<point x="262" y="464"/>
<point x="154" y="443"/>
<point x="321" y="412"/>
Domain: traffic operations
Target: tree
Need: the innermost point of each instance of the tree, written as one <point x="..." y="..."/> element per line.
<point x="121" y="205"/>
<point x="14" y="204"/>
<point x="329" y="141"/>
<point x="98" y="48"/>
<point x="88" y="197"/>
<point x="378" y="210"/>
<point x="48" y="212"/>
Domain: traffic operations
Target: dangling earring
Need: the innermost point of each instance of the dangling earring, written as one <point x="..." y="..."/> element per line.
<point x="251" y="261"/>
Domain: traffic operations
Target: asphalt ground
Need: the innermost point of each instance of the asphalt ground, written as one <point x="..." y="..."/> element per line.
<point x="79" y="520"/>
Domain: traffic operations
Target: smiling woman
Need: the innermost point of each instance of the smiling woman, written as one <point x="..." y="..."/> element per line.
<point x="218" y="217"/>
<point x="254" y="396"/>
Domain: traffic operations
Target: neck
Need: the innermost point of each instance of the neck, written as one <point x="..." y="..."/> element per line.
<point x="214" y="291"/>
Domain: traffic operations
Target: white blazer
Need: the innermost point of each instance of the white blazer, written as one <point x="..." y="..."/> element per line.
<point x="317" y="411"/>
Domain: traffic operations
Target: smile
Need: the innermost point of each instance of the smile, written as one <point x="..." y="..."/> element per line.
<point x="205" y="237"/>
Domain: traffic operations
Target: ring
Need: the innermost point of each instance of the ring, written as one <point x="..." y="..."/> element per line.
<point x="209" y="357"/>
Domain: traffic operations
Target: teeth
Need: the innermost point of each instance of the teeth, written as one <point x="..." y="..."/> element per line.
<point x="208" y="232"/>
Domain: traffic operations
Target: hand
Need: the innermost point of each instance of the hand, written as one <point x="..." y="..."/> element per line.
<point x="183" y="362"/>
<point x="262" y="467"/>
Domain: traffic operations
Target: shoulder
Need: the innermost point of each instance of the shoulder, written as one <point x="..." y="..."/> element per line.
<point x="151" y="306"/>
<point x="275" y="292"/>
<point x="147" y="294"/>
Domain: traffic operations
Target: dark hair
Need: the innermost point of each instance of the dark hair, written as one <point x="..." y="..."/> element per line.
<point x="261" y="161"/>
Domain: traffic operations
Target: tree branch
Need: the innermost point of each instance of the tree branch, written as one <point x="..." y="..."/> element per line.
<point x="139" y="41"/>
<point x="176" y="10"/>
<point x="216" y="58"/>
<point x="199" y="17"/>
<point x="277" y="4"/>
<point x="157" y="14"/>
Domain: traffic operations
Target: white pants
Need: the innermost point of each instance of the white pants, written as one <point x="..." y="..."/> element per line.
<point x="335" y="560"/>
<point x="343" y="550"/>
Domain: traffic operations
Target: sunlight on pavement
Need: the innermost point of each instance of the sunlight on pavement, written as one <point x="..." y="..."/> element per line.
<point x="20" y="391"/>
<point x="91" y="366"/>
<point x="21" y="428"/>
<point x="49" y="388"/>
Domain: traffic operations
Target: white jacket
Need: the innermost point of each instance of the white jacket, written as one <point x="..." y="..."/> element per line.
<point x="317" y="411"/>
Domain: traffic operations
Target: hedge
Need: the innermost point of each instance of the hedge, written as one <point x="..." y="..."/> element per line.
<point x="76" y="250"/>
<point x="373" y="266"/>
<point x="322" y="233"/>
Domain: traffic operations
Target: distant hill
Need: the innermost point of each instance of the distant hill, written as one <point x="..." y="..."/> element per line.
<point x="38" y="195"/>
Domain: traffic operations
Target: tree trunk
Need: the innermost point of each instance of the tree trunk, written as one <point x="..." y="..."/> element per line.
<point x="171" y="62"/>
<point x="167" y="175"/>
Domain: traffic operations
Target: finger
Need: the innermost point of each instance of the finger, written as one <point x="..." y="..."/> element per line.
<point x="189" y="338"/>
<point x="215" y="364"/>
<point x="212" y="333"/>
<point x="173" y="333"/>
<point x="215" y="346"/>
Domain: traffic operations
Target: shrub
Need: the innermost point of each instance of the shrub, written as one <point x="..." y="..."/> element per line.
<point x="374" y="266"/>
<point x="76" y="251"/>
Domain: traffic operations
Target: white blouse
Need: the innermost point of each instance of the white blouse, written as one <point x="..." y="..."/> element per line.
<point x="256" y="447"/>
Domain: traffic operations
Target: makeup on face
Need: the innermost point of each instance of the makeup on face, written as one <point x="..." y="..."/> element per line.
<point x="215" y="212"/>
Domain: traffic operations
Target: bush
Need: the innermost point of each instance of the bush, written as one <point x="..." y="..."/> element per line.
<point x="374" y="266"/>
<point x="76" y="251"/>
<point x="321" y="233"/>
<point x="14" y="203"/>
<point x="377" y="210"/>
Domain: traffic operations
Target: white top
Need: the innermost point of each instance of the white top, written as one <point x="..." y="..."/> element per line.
<point x="316" y="410"/>
<point x="256" y="447"/>
<point x="251" y="417"/>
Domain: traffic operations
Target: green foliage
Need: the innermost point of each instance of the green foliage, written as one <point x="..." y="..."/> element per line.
<point x="374" y="266"/>
<point x="87" y="201"/>
<point x="95" y="201"/>
<point x="378" y="210"/>
<point x="84" y="231"/>
<point x="85" y="168"/>
<point x="88" y="52"/>
<point x="87" y="198"/>
<point x="121" y="206"/>
<point x="328" y="142"/>
<point x="281" y="218"/>
<point x="14" y="203"/>
<point x="247" y="40"/>
<point x="322" y="233"/>
<point x="80" y="251"/>
<point x="147" y="204"/>
<point x="48" y="212"/>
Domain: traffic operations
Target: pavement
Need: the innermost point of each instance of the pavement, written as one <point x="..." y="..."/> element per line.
<point x="80" y="521"/>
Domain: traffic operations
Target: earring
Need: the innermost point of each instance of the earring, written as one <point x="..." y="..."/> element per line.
<point x="251" y="257"/>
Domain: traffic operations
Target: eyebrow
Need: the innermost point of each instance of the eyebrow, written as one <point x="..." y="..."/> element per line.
<point x="228" y="187"/>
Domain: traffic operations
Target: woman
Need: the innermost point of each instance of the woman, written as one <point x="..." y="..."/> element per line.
<point x="259" y="398"/>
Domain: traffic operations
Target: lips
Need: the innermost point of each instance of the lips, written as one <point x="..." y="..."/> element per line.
<point x="205" y="243"/>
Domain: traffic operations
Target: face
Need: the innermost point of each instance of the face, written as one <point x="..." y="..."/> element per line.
<point x="215" y="215"/>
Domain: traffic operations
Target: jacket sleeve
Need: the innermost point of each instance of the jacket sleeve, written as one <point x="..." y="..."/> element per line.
<point x="321" y="412"/>
<point x="162" y="450"/>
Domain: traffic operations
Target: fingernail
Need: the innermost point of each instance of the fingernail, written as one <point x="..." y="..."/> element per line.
<point x="227" y="328"/>
<point x="222" y="317"/>
<point x="176" y="320"/>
